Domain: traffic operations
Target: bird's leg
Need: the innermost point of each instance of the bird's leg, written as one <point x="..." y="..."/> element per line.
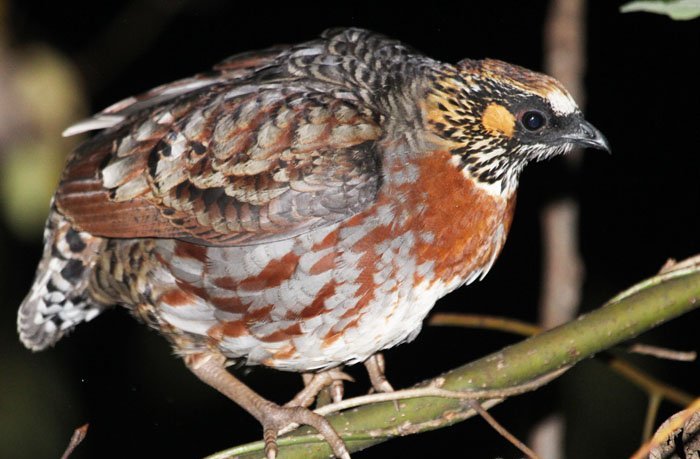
<point x="210" y="368"/>
<point x="337" y="389"/>
<point x="316" y="382"/>
<point x="375" y="370"/>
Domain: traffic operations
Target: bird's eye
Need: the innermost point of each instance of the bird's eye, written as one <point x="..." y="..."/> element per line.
<point x="533" y="120"/>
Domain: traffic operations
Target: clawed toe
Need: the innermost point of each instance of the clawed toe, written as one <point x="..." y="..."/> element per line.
<point x="210" y="368"/>
<point x="316" y="382"/>
<point x="375" y="370"/>
<point x="337" y="390"/>
<point x="274" y="417"/>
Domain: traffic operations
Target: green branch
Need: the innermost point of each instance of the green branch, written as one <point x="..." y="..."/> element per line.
<point x="642" y="307"/>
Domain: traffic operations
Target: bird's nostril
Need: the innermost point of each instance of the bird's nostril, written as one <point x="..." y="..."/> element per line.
<point x="589" y="131"/>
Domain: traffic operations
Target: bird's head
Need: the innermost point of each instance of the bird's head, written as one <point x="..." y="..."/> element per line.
<point x="497" y="117"/>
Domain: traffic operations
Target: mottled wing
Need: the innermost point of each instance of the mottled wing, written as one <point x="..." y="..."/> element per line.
<point x="235" y="68"/>
<point x="227" y="162"/>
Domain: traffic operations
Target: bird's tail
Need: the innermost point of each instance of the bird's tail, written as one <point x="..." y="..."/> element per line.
<point x="58" y="300"/>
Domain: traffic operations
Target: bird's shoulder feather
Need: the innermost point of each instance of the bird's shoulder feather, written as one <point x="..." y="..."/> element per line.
<point x="253" y="151"/>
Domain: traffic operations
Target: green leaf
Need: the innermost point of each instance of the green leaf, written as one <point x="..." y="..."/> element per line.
<point x="679" y="10"/>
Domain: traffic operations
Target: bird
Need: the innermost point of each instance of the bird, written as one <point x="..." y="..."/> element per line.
<point x="301" y="207"/>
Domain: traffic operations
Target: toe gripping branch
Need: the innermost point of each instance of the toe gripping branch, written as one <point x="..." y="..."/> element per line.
<point x="210" y="368"/>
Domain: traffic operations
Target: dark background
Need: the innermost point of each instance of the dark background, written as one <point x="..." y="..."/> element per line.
<point x="638" y="208"/>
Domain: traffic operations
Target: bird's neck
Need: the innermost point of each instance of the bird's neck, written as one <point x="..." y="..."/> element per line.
<point x="474" y="129"/>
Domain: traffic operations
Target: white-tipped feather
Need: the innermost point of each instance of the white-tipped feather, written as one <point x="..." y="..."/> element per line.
<point x="93" y="124"/>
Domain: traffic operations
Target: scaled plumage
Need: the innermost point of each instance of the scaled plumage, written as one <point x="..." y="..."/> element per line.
<point x="300" y="207"/>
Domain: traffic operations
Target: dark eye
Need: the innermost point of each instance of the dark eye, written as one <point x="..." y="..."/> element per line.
<point x="533" y="120"/>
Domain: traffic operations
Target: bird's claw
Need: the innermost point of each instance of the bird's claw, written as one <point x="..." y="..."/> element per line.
<point x="375" y="371"/>
<point x="274" y="417"/>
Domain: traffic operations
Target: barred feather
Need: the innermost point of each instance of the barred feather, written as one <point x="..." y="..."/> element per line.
<point x="58" y="300"/>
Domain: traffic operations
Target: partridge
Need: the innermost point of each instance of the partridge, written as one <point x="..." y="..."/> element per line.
<point x="301" y="207"/>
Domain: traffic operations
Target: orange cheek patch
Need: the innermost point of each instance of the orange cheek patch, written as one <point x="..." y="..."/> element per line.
<point x="498" y="120"/>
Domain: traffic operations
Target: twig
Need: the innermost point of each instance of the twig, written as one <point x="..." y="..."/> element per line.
<point x="647" y="382"/>
<point x="436" y="391"/>
<point x="638" y="377"/>
<point x="75" y="439"/>
<point x="652" y="410"/>
<point x="681" y="269"/>
<point x="673" y="265"/>
<point x="663" y="353"/>
<point x="502" y="430"/>
<point x="663" y="433"/>
<point x="433" y="390"/>
<point x="486" y="322"/>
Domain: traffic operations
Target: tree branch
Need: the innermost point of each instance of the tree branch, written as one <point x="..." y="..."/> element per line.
<point x="646" y="382"/>
<point x="644" y="306"/>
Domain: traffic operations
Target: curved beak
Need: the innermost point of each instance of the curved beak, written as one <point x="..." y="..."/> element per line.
<point x="586" y="135"/>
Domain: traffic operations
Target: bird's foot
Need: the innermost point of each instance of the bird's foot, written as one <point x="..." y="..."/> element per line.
<point x="375" y="370"/>
<point x="274" y="418"/>
<point x="314" y="383"/>
<point x="210" y="368"/>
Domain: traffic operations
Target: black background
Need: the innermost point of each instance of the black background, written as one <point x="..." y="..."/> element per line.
<point x="638" y="208"/>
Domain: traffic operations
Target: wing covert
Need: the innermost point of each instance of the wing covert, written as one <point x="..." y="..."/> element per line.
<point x="235" y="164"/>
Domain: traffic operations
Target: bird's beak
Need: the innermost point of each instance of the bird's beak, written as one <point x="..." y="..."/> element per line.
<point x="586" y="135"/>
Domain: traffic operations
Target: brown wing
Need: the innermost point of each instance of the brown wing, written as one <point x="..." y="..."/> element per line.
<point x="228" y="163"/>
<point x="235" y="68"/>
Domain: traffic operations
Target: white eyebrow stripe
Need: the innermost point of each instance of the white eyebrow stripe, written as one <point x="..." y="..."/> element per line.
<point x="561" y="103"/>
